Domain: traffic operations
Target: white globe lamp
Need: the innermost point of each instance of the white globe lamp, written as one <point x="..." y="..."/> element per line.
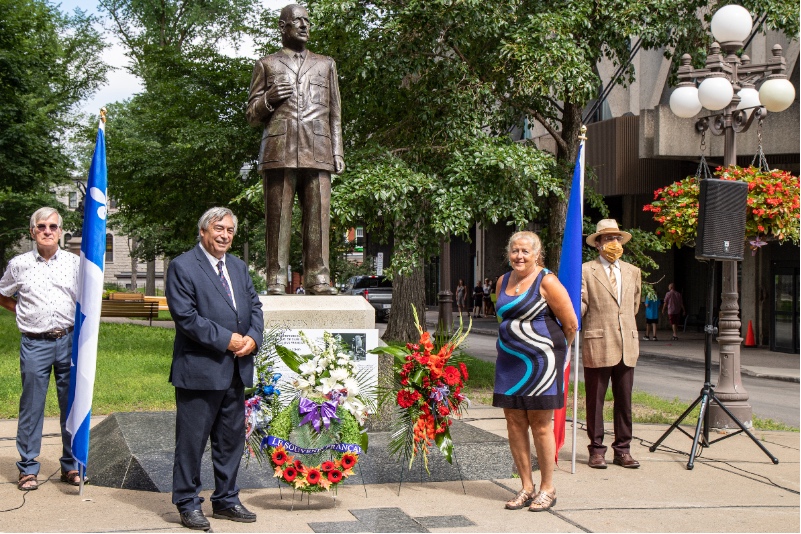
<point x="749" y="99"/>
<point x="777" y="94"/>
<point x="684" y="101"/>
<point x="731" y="23"/>
<point x="715" y="93"/>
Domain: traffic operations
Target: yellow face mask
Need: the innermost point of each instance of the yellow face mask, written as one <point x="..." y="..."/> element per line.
<point x="612" y="251"/>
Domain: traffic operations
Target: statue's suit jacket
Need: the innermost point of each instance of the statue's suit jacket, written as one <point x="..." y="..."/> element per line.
<point x="305" y="130"/>
<point x="609" y="329"/>
<point x="205" y="318"/>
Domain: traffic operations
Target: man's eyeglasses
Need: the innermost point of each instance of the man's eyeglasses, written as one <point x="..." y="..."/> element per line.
<point x="43" y="227"/>
<point x="607" y="238"/>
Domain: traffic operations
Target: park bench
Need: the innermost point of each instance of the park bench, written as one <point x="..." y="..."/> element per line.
<point x="129" y="308"/>
<point x="126" y="296"/>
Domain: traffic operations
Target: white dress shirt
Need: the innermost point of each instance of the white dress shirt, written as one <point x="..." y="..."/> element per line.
<point x="46" y="290"/>
<point x="214" y="261"/>
<point x="613" y="269"/>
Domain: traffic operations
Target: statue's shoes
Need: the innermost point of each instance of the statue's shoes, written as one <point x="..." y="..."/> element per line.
<point x="276" y="289"/>
<point x="322" y="289"/>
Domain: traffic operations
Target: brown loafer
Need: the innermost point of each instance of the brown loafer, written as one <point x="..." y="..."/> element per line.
<point x="597" y="461"/>
<point x="625" y="460"/>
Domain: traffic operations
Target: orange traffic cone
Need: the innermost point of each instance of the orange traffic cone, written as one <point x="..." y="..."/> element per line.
<point x="749" y="337"/>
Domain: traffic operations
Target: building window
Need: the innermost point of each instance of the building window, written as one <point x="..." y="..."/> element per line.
<point x="112" y="203"/>
<point x="109" y="248"/>
<point x="359" y="244"/>
<point x="73" y="200"/>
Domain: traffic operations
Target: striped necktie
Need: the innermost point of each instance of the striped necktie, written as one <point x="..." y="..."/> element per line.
<point x="223" y="280"/>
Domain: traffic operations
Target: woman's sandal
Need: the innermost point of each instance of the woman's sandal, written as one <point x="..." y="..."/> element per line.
<point x="543" y="501"/>
<point x="521" y="500"/>
<point x="73" y="478"/>
<point x="27" y="482"/>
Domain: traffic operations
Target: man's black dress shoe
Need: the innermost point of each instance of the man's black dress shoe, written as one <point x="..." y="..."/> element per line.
<point x="195" y="520"/>
<point x="235" y="513"/>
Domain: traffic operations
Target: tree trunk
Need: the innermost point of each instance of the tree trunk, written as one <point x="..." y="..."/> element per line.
<point x="150" y="279"/>
<point x="557" y="207"/>
<point x="407" y="291"/>
<point x="134" y="263"/>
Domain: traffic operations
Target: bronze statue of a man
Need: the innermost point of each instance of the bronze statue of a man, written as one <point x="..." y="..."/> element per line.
<point x="294" y="93"/>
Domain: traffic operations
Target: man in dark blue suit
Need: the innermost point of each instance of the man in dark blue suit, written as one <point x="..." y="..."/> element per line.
<point x="218" y="329"/>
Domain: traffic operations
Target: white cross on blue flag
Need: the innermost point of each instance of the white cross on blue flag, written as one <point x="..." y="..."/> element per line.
<point x="90" y="295"/>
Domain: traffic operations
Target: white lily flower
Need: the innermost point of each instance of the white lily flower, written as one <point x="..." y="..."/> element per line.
<point x="340" y="373"/>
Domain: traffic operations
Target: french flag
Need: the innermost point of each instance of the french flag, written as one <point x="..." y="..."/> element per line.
<point x="570" y="277"/>
<point x="90" y="295"/>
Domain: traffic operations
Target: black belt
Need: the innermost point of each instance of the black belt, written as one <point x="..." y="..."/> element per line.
<point x="52" y="335"/>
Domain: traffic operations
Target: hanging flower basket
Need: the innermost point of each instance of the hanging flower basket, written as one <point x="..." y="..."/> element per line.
<point x="772" y="211"/>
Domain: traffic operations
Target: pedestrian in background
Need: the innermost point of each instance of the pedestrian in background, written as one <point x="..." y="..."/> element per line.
<point x="478" y="299"/>
<point x="461" y="291"/>
<point x="45" y="282"/>
<point x="651" y="317"/>
<point x="610" y="298"/>
<point x="487" y="303"/>
<point x="675" y="309"/>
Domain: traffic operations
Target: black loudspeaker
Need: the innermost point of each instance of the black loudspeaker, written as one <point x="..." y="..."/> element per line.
<point x="721" y="220"/>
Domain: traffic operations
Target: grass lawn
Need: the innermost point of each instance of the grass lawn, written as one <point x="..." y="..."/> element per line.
<point x="646" y="408"/>
<point x="133" y="364"/>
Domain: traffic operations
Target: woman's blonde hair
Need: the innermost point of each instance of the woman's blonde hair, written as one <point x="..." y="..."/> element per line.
<point x="531" y="237"/>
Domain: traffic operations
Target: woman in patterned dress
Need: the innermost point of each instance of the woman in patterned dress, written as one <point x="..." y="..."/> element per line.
<point x="529" y="382"/>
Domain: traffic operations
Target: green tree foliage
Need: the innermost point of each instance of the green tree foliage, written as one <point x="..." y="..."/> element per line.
<point x="49" y="61"/>
<point x="179" y="147"/>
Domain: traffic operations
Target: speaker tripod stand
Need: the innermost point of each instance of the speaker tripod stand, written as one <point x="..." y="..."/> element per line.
<point x="707" y="395"/>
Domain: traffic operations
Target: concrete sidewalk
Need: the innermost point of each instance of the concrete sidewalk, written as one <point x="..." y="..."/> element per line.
<point x="733" y="488"/>
<point x="759" y="362"/>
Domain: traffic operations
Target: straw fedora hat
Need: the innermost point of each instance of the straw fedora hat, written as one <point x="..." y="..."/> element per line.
<point x="607" y="226"/>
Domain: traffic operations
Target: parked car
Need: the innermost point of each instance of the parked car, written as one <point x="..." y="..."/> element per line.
<point x="376" y="289"/>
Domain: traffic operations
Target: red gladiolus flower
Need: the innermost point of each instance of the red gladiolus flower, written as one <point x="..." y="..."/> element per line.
<point x="279" y="456"/>
<point x="290" y="473"/>
<point x="348" y="460"/>
<point x="443" y="410"/>
<point x="327" y="466"/>
<point x="313" y="475"/>
<point x="335" y="476"/>
<point x="463" y="369"/>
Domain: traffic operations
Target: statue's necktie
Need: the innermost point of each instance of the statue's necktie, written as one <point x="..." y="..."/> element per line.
<point x="223" y="280"/>
<point x="612" y="281"/>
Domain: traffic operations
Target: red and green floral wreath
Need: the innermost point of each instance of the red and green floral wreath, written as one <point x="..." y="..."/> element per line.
<point x="330" y="452"/>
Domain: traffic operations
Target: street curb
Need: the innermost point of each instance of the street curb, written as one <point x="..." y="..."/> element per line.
<point x="743" y="370"/>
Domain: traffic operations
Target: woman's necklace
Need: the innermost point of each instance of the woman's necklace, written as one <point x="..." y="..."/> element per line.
<point x="517" y="287"/>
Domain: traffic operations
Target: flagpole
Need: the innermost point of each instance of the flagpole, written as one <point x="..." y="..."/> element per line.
<point x="576" y="342"/>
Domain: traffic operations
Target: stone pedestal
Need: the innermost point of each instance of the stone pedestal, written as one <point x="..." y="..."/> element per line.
<point x="328" y="312"/>
<point x="317" y="311"/>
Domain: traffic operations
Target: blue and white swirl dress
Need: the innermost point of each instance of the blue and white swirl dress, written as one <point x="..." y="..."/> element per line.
<point x="529" y="371"/>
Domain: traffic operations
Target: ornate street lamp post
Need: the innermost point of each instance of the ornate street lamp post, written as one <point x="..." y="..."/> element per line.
<point x="727" y="85"/>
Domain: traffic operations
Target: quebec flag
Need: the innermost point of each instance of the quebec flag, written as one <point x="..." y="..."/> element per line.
<point x="90" y="295"/>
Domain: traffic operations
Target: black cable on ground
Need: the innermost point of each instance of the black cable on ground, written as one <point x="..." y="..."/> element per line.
<point x="25" y="493"/>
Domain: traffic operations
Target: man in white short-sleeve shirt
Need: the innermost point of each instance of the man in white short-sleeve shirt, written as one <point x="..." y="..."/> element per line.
<point x="41" y="288"/>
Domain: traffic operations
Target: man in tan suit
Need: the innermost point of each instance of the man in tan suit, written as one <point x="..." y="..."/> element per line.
<point x="610" y="298"/>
